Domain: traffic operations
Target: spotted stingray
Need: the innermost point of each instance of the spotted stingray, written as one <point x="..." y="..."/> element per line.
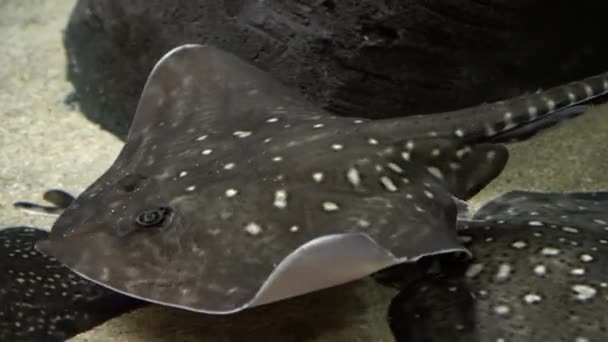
<point x="234" y="191"/>
<point x="539" y="273"/>
<point x="40" y="300"/>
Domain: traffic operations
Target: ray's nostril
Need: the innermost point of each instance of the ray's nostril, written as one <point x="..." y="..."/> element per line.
<point x="131" y="182"/>
<point x="153" y="217"/>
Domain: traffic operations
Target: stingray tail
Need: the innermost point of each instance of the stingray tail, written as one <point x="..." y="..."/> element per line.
<point x="527" y="115"/>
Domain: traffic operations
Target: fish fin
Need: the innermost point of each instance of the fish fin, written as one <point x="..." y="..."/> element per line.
<point x="584" y="209"/>
<point x="464" y="209"/>
<point x="221" y="86"/>
<point x="59" y="198"/>
<point x="465" y="169"/>
<point x="532" y="128"/>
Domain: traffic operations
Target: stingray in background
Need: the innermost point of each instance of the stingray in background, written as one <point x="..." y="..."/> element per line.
<point x="233" y="191"/>
<point x="539" y="273"/>
<point x="41" y="300"/>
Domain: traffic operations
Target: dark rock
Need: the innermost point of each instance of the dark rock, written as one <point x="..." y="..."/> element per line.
<point x="355" y="58"/>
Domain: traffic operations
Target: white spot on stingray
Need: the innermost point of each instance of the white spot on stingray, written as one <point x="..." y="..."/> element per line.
<point x="319" y="125"/>
<point x="241" y="134"/>
<point x="435" y="172"/>
<point x="405" y="156"/>
<point x="532" y="298"/>
<point x="463" y="151"/>
<point x="330" y="206"/>
<point x="586" y="258"/>
<point x="459" y="133"/>
<point x="588" y="90"/>
<point x="337" y="147"/>
<point x="540" y="270"/>
<point x="532" y="112"/>
<point x="409" y="145"/>
<point x="372" y="141"/>
<point x="454" y="166"/>
<point x="570" y="230"/>
<point x="519" y="244"/>
<point x="253" y="228"/>
<point x="202" y="137"/>
<point x="395" y="167"/>
<point x="207" y="152"/>
<point x="358" y="121"/>
<point x="504" y="271"/>
<point x="535" y="223"/>
<point x="388" y="184"/>
<point x="581" y="339"/>
<point x="183" y="174"/>
<point x="271" y="120"/>
<point x="571" y="96"/>
<point x="465" y="238"/>
<point x="105" y="274"/>
<point x="474" y="270"/>
<point x="584" y="292"/>
<point x="231" y="192"/>
<point x="294" y="229"/>
<point x="353" y="176"/>
<point x="549" y="251"/>
<point x="191" y="188"/>
<point x="317" y="177"/>
<point x="280" y="199"/>
<point x="550" y="104"/>
<point x="502" y="309"/>
<point x="490" y="131"/>
<point x="577" y="271"/>
<point x="428" y="194"/>
<point x="229" y="166"/>
<point x="267" y="140"/>
<point x="363" y="223"/>
<point x="277" y="159"/>
<point x="600" y="221"/>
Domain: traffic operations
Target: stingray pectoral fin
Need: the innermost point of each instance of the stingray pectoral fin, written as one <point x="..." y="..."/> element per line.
<point x="480" y="167"/>
<point x="464" y="169"/>
<point x="329" y="261"/>
<point x="530" y="129"/>
<point x="221" y="87"/>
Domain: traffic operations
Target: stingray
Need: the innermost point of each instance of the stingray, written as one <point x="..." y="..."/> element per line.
<point x="539" y="273"/>
<point x="234" y="191"/>
<point x="41" y="300"/>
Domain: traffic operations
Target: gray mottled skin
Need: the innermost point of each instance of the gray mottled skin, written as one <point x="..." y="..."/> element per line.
<point x="41" y="300"/>
<point x="251" y="172"/>
<point x="539" y="273"/>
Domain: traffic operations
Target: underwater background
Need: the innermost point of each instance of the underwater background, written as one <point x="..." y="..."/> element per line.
<point x="45" y="142"/>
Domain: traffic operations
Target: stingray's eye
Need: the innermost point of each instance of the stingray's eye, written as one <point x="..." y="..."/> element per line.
<point x="152" y="218"/>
